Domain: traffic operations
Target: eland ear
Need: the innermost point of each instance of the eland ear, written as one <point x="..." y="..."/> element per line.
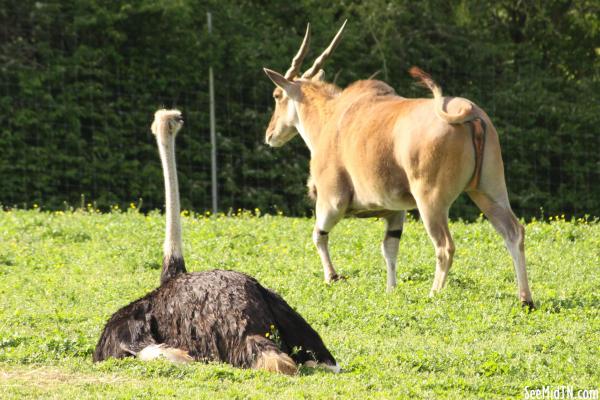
<point x="319" y="76"/>
<point x="289" y="87"/>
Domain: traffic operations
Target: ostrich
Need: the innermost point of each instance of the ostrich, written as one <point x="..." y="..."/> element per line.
<point x="207" y="316"/>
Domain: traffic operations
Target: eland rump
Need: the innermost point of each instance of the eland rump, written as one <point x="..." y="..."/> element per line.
<point x="374" y="153"/>
<point x="207" y="316"/>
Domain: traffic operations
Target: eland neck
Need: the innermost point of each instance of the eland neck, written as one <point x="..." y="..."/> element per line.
<point x="314" y="110"/>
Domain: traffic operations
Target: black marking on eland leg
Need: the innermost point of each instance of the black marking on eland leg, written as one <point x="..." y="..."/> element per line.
<point x="172" y="266"/>
<point x="394" y="234"/>
<point x="322" y="233"/>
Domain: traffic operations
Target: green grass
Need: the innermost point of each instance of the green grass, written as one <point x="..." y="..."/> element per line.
<point x="63" y="274"/>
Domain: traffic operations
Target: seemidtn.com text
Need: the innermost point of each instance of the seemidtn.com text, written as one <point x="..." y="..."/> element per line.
<point x="560" y="392"/>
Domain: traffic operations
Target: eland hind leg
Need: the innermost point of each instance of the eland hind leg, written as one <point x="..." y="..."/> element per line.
<point x="389" y="246"/>
<point x="435" y="219"/>
<point x="499" y="213"/>
<point x="491" y="196"/>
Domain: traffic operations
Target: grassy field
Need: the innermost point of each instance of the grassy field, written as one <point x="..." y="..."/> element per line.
<point x="63" y="274"/>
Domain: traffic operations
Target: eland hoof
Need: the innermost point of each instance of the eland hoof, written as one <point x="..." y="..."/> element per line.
<point x="528" y="305"/>
<point x="335" y="278"/>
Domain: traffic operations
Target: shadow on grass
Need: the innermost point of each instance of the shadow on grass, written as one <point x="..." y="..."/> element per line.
<point x="556" y="305"/>
<point x="308" y="371"/>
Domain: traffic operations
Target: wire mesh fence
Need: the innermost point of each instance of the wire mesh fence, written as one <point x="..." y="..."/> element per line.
<point x="78" y="89"/>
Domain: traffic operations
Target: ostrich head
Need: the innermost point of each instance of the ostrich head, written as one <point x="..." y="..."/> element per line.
<point x="166" y="124"/>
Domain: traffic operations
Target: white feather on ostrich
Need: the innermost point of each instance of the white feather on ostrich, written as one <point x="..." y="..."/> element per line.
<point x="207" y="316"/>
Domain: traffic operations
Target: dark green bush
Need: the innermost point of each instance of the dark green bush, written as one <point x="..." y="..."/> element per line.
<point x="80" y="80"/>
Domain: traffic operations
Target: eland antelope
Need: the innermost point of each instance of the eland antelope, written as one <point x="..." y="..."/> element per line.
<point x="374" y="153"/>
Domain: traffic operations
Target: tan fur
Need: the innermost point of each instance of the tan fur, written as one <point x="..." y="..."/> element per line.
<point x="373" y="151"/>
<point x="156" y="351"/>
<point x="312" y="189"/>
<point x="276" y="362"/>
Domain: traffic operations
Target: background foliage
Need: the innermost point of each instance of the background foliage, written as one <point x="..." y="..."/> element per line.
<point x="80" y="80"/>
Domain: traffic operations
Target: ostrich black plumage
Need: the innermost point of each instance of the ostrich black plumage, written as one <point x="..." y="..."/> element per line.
<point x="207" y="316"/>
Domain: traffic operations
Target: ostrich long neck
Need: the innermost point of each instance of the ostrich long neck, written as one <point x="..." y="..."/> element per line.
<point x="173" y="263"/>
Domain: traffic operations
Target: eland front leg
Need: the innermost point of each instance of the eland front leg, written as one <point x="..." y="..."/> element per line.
<point x="327" y="218"/>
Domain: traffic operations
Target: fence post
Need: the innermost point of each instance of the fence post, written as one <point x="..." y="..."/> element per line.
<point x="213" y="136"/>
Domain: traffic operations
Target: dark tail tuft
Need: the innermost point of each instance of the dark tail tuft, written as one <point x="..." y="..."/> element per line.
<point x="425" y="80"/>
<point x="464" y="113"/>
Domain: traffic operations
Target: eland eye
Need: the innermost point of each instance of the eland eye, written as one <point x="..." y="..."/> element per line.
<point x="277" y="96"/>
